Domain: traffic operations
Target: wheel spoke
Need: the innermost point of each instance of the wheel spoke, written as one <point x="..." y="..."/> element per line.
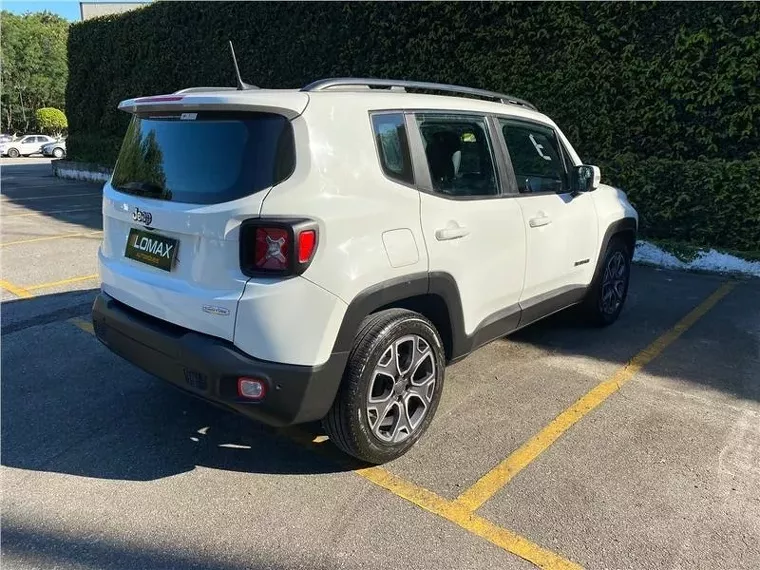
<point x="388" y="364"/>
<point x="423" y="390"/>
<point x="403" y="427"/>
<point x="405" y="351"/>
<point x="377" y="415"/>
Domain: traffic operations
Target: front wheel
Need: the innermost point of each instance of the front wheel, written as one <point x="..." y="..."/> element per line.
<point x="58" y="152"/>
<point x="608" y="292"/>
<point x="390" y="388"/>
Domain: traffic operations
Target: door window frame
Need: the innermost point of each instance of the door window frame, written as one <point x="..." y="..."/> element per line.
<point x="420" y="161"/>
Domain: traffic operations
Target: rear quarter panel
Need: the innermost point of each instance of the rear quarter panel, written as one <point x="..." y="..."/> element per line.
<point x="339" y="183"/>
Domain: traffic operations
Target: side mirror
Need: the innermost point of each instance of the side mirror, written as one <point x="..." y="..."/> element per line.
<point x="585" y="178"/>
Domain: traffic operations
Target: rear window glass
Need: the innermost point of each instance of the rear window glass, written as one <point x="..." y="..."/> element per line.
<point x="204" y="158"/>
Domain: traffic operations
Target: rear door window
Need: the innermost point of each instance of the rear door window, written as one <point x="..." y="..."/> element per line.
<point x="212" y="157"/>
<point x="459" y="155"/>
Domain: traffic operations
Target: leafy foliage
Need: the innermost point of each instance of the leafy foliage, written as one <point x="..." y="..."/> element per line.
<point x="34" y="67"/>
<point x="710" y="202"/>
<point x="669" y="82"/>
<point x="51" y="121"/>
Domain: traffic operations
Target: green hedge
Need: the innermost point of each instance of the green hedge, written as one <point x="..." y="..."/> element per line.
<point x="709" y="202"/>
<point x="676" y="81"/>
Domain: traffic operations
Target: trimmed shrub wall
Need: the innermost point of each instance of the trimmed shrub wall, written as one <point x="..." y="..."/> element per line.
<point x="673" y="85"/>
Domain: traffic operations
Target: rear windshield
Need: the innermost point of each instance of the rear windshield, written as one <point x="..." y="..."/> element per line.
<point x="204" y="157"/>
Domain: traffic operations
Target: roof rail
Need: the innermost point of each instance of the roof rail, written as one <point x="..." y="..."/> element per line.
<point x="325" y="84"/>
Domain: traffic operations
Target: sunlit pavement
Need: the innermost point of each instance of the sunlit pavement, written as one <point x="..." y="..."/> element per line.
<point x="636" y="446"/>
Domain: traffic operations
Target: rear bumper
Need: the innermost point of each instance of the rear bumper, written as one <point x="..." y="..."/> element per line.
<point x="209" y="367"/>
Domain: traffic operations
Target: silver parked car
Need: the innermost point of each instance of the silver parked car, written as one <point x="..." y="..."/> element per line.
<point x="55" y="149"/>
<point x="25" y="146"/>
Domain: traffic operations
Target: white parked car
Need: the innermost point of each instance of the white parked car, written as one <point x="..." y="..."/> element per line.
<point x="324" y="253"/>
<point x="56" y="149"/>
<point x="25" y="146"/>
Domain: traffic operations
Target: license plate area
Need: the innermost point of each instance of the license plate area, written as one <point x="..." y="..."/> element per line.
<point x="151" y="249"/>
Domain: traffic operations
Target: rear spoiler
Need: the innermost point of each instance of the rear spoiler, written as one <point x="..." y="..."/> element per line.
<point x="287" y="102"/>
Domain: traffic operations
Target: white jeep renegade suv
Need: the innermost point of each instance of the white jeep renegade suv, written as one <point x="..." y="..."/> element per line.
<point x="324" y="253"/>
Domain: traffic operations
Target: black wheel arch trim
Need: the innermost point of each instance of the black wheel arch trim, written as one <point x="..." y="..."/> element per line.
<point x="437" y="284"/>
<point x="623" y="225"/>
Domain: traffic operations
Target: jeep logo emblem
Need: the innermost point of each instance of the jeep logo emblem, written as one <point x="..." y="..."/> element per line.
<point x="142" y="217"/>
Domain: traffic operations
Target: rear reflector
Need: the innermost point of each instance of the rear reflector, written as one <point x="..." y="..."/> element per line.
<point x="307" y="239"/>
<point x="251" y="388"/>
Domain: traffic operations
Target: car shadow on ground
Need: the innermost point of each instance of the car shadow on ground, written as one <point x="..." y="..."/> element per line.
<point x="69" y="405"/>
<point x="36" y="547"/>
<point x="34" y="188"/>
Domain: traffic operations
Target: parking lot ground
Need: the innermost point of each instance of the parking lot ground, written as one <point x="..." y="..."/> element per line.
<point x="104" y="466"/>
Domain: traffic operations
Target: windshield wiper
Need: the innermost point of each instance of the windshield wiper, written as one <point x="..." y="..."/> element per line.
<point x="147" y="189"/>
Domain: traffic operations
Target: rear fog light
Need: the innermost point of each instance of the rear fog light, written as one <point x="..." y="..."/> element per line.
<point x="251" y="388"/>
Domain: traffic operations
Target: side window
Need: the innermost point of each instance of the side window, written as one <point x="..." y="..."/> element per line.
<point x="536" y="157"/>
<point x="459" y="154"/>
<point x="393" y="146"/>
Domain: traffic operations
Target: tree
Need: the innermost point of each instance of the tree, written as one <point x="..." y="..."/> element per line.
<point x="51" y="121"/>
<point x="34" y="67"/>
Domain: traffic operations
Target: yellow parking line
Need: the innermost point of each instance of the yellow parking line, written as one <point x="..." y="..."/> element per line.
<point x="429" y="501"/>
<point x="26" y="198"/>
<point x="488" y="485"/>
<point x="86" y="326"/>
<point x="62" y="282"/>
<point x="448" y="510"/>
<point x="461" y="510"/>
<point x="49" y="238"/>
<point x="15" y="289"/>
<point x="461" y="516"/>
<point x="49" y="212"/>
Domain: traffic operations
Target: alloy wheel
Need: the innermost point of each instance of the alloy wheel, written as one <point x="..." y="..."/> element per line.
<point x="401" y="389"/>
<point x="613" y="283"/>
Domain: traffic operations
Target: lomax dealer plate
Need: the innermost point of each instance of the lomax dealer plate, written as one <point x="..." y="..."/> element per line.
<point x="151" y="248"/>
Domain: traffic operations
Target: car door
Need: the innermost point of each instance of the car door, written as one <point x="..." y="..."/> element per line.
<point x="473" y="230"/>
<point x="27" y="145"/>
<point x="560" y="227"/>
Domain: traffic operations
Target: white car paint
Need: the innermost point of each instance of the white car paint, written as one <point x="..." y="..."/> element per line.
<point x="27" y="145"/>
<point x="367" y="225"/>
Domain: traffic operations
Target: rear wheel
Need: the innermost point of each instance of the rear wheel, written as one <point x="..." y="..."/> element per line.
<point x="390" y="389"/>
<point x="609" y="290"/>
<point x="13" y="153"/>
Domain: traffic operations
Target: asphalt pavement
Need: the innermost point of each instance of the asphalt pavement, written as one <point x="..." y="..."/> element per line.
<point x="562" y="446"/>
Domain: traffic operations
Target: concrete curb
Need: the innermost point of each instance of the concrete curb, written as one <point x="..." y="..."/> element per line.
<point x="80" y="171"/>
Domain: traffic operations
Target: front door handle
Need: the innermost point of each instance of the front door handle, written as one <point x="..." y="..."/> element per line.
<point x="451" y="233"/>
<point x="539" y="221"/>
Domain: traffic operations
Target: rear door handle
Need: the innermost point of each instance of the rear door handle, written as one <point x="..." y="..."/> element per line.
<point x="539" y="221"/>
<point x="451" y="233"/>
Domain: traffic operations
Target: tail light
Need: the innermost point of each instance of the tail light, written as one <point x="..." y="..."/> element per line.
<point x="277" y="247"/>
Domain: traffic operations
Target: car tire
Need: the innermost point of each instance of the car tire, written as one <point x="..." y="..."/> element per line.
<point x="58" y="152"/>
<point x="390" y="389"/>
<point x="13" y="153"/>
<point x="609" y="290"/>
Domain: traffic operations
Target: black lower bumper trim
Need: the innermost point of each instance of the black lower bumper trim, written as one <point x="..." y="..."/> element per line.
<point x="209" y="367"/>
